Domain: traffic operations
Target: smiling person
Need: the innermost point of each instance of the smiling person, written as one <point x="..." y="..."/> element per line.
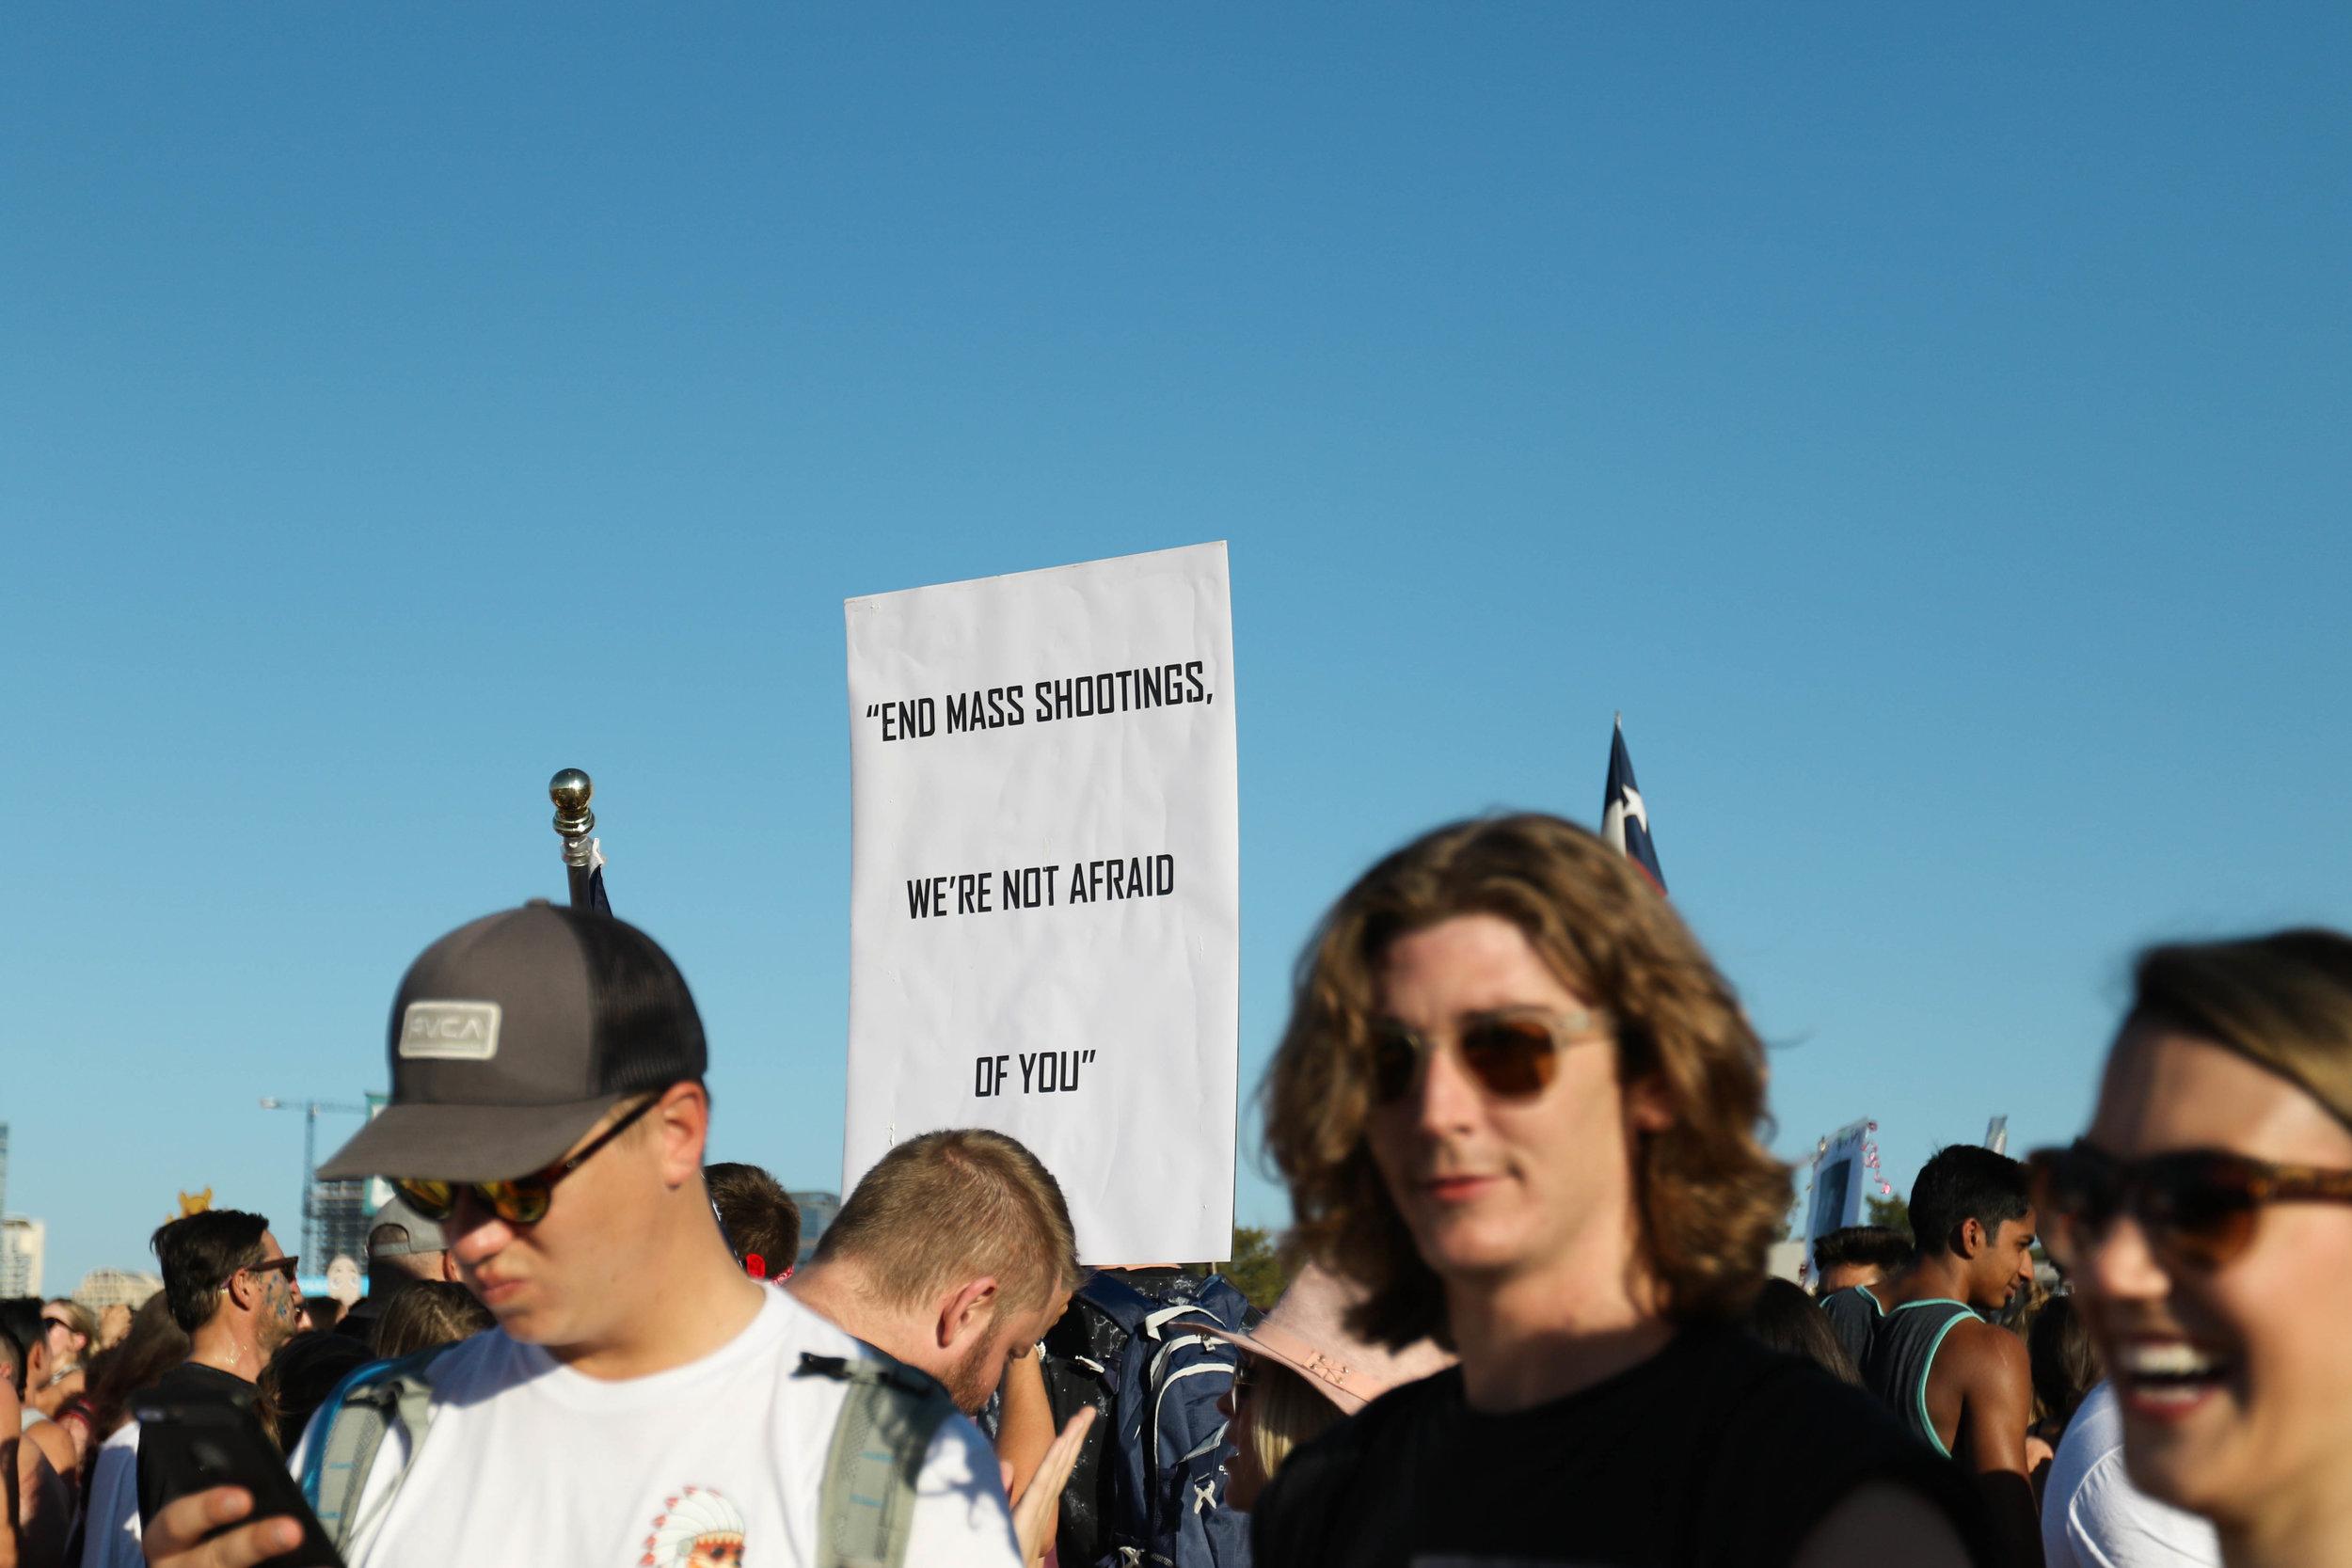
<point x="1922" y="1340"/>
<point x="2206" y="1221"/>
<point x="1516" y="1105"/>
<point x="640" y="1401"/>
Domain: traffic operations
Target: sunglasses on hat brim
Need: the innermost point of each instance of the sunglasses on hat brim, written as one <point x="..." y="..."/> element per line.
<point x="522" y="1200"/>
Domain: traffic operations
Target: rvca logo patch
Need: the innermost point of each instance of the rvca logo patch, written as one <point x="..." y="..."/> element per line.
<point x="450" y="1031"/>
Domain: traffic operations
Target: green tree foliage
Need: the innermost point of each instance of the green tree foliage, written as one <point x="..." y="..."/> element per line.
<point x="1892" y="1212"/>
<point x="1257" y="1269"/>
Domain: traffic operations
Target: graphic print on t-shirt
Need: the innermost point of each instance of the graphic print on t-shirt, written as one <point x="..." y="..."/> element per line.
<point x="697" y="1528"/>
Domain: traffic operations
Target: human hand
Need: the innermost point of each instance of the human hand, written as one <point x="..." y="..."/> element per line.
<point x="175" y="1537"/>
<point x="1038" y="1510"/>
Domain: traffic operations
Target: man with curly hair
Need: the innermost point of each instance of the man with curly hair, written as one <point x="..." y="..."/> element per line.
<point x="1516" y="1103"/>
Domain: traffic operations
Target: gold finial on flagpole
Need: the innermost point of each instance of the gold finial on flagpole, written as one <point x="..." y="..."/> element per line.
<point x="571" y="790"/>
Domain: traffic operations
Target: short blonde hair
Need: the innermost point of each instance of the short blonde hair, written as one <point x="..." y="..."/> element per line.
<point x="948" y="1206"/>
<point x="1711" y="1199"/>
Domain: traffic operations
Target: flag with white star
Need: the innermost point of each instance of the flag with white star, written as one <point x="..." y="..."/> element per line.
<point x="1624" y="816"/>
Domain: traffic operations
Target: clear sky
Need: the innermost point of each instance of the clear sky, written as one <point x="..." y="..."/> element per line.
<point x="1929" y="427"/>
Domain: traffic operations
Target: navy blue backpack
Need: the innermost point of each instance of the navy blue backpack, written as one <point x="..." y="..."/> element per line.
<point x="1167" y="1455"/>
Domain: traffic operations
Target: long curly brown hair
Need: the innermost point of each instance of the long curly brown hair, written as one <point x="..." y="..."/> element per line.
<point x="1711" y="1197"/>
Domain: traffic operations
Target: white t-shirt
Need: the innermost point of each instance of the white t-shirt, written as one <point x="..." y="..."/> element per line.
<point x="717" y="1462"/>
<point x="2092" y="1517"/>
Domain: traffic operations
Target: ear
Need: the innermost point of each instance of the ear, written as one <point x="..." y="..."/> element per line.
<point x="966" y="1312"/>
<point x="241" y="1292"/>
<point x="1647" y="1106"/>
<point x="681" y="1122"/>
<point x="449" y="1267"/>
<point x="1972" y="1238"/>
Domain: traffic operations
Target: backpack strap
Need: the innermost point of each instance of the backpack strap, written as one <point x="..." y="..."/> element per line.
<point x="358" y="1415"/>
<point x="889" y="1415"/>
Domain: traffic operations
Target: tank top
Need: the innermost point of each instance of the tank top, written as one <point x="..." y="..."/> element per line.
<point x="1854" y="1315"/>
<point x="1901" y="1351"/>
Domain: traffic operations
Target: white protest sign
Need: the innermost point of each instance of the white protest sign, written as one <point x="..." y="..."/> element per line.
<point x="1045" y="886"/>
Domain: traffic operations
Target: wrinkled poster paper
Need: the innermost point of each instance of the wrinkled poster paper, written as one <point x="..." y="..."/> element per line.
<point x="1045" y="887"/>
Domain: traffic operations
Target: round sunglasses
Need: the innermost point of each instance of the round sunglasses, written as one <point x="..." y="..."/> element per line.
<point x="1512" y="1055"/>
<point x="2198" y="1207"/>
<point x="524" y="1199"/>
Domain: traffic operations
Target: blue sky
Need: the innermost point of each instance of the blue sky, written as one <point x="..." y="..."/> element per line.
<point x="1929" y="429"/>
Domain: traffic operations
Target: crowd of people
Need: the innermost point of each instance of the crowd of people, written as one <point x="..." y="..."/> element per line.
<point x="1520" y="1116"/>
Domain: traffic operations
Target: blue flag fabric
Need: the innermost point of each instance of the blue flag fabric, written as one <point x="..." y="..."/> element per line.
<point x="598" y="902"/>
<point x="1624" y="816"/>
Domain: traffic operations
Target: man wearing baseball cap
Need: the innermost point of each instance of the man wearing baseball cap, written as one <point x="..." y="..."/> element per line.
<point x="403" y="1247"/>
<point x="641" y="1399"/>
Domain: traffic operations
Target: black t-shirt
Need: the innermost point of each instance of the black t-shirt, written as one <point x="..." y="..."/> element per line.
<point x="1715" y="1451"/>
<point x="186" y="1384"/>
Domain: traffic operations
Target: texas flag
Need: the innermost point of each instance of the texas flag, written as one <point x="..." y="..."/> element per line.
<point x="1624" y="819"/>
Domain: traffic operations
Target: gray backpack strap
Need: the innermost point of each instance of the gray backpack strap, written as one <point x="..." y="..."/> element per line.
<point x="359" y="1415"/>
<point x="888" y="1418"/>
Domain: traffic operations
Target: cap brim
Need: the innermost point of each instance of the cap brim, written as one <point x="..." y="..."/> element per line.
<point x="1347" y="1399"/>
<point x="465" y="1143"/>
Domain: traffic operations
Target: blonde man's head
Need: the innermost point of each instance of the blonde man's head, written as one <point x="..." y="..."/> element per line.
<point x="945" y="1207"/>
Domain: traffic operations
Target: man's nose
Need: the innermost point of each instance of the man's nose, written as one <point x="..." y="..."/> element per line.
<point x="1449" y="1097"/>
<point x="473" y="1231"/>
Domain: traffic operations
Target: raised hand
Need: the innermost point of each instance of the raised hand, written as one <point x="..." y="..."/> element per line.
<point x="1034" y="1515"/>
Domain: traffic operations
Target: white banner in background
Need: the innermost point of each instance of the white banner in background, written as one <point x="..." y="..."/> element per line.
<point x="1045" y="886"/>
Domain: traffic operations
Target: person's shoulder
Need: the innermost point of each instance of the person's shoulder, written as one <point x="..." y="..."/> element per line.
<point x="1795" y="1444"/>
<point x="1783" y="1426"/>
<point x="479" y="1364"/>
<point x="1407" y="1409"/>
<point x="1748" y="1382"/>
<point x="1853" y="1305"/>
<point x="2095" y="1431"/>
<point x="1983" y="1352"/>
<point x="54" y="1442"/>
<point x="797" y="1328"/>
<point x="2091" y="1499"/>
<point x="961" y="1514"/>
<point x="1408" y="1400"/>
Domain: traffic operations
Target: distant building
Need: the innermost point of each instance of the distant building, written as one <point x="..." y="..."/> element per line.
<point x="341" y="1219"/>
<point x="22" y="1242"/>
<point x="104" y="1288"/>
<point x="817" y="1212"/>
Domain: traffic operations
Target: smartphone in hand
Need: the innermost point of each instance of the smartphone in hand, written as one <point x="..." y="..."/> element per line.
<point x="220" y="1446"/>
